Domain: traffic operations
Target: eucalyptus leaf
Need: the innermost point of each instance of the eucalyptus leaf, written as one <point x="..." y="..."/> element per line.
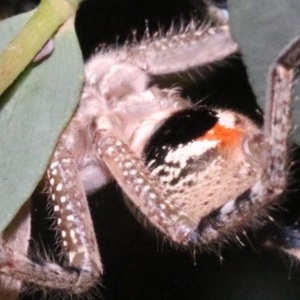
<point x="33" y="113"/>
<point x="262" y="29"/>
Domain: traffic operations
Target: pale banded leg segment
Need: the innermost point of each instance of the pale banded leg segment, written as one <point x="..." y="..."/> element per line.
<point x="83" y="266"/>
<point x="143" y="190"/>
<point x="17" y="265"/>
<point x="74" y="220"/>
<point x="276" y="130"/>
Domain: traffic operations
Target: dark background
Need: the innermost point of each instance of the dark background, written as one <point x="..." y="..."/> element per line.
<point x="138" y="265"/>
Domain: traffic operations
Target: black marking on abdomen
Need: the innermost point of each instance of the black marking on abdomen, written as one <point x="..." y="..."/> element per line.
<point x="181" y="128"/>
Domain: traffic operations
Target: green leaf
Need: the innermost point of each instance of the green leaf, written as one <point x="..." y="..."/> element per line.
<point x="262" y="29"/>
<point x="33" y="112"/>
<point x="45" y="21"/>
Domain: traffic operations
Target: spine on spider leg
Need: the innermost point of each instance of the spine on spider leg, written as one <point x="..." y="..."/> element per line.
<point x="277" y="124"/>
<point x="178" y="52"/>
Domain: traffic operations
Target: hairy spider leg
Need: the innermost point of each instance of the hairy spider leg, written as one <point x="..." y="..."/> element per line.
<point x="83" y="265"/>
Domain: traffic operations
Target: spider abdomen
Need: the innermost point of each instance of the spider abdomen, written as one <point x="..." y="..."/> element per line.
<point x="199" y="157"/>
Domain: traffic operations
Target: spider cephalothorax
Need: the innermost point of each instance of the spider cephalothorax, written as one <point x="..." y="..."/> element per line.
<point x="197" y="174"/>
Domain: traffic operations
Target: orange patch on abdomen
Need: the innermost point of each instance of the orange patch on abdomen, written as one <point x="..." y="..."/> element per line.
<point x="227" y="137"/>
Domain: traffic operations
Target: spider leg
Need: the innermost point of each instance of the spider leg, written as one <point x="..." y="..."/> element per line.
<point x="257" y="199"/>
<point x="77" y="234"/>
<point x="175" y="52"/>
<point x="141" y="188"/>
<point x="276" y="129"/>
<point x="16" y="236"/>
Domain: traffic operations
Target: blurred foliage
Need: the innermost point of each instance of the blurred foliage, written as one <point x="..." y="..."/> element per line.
<point x="34" y="109"/>
<point x="263" y="29"/>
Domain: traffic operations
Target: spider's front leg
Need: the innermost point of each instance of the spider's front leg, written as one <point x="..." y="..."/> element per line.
<point x="75" y="225"/>
<point x="74" y="222"/>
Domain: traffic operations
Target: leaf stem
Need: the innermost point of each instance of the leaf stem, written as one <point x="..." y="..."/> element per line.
<point x="49" y="15"/>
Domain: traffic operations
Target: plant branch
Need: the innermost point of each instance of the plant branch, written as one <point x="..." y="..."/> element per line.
<point x="49" y="15"/>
